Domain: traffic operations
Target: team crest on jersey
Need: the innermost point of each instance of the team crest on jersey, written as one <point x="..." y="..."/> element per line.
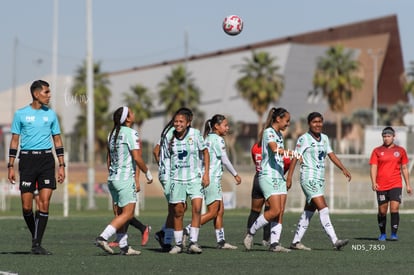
<point x="45" y="119"/>
<point x="396" y="154"/>
<point x="190" y="141"/>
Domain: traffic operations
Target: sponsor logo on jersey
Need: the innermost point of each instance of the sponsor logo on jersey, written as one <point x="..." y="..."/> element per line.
<point x="30" y="118"/>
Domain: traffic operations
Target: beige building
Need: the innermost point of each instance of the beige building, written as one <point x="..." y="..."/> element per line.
<point x="215" y="74"/>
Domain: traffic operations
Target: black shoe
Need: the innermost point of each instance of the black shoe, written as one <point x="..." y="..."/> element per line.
<point x="159" y="236"/>
<point x="38" y="250"/>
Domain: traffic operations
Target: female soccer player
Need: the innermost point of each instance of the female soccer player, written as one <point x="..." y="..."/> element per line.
<point x="258" y="199"/>
<point x="387" y="161"/>
<point x="313" y="147"/>
<point x="124" y="154"/>
<point x="186" y="178"/>
<point x="166" y="234"/>
<point x="271" y="179"/>
<point x="214" y="131"/>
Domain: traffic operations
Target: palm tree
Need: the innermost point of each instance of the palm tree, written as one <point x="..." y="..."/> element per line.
<point x="178" y="90"/>
<point x="103" y="121"/>
<point x="260" y="84"/>
<point x="139" y="102"/>
<point x="336" y="77"/>
<point x="396" y="113"/>
<point x="409" y="77"/>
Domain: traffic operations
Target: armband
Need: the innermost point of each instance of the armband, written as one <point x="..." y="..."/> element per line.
<point x="59" y="151"/>
<point x="62" y="165"/>
<point x="148" y="175"/>
<point x="12" y="153"/>
<point x="9" y="165"/>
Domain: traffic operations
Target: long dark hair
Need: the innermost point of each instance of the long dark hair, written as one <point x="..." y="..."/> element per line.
<point x="117" y="124"/>
<point x="182" y="111"/>
<point x="274" y="113"/>
<point x="209" y="125"/>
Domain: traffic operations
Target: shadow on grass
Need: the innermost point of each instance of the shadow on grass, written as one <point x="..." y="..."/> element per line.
<point x="366" y="239"/>
<point x="16" y="253"/>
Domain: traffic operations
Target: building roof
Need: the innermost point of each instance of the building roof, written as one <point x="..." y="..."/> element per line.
<point x="297" y="55"/>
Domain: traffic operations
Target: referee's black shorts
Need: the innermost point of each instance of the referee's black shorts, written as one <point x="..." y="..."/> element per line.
<point x="36" y="166"/>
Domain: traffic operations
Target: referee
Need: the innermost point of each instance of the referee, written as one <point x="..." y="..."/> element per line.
<point x="35" y="126"/>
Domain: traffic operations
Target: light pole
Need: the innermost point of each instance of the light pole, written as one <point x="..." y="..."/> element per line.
<point x="91" y="106"/>
<point x="374" y="56"/>
<point x="186" y="68"/>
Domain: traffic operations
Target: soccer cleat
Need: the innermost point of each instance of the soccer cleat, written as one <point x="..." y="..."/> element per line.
<point x="159" y="236"/>
<point x="340" y="243"/>
<point x="299" y="246"/>
<point x="275" y="247"/>
<point x="145" y="235"/>
<point x="265" y="243"/>
<point x="394" y="237"/>
<point x="38" y="250"/>
<point x="103" y="244"/>
<point x="248" y="241"/>
<point x="194" y="248"/>
<point x="113" y="244"/>
<point x="382" y="237"/>
<point x="129" y="251"/>
<point x="176" y="249"/>
<point x="224" y="245"/>
<point x="166" y="248"/>
<point x="186" y="236"/>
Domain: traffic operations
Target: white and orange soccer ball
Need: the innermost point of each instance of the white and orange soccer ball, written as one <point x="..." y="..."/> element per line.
<point x="232" y="24"/>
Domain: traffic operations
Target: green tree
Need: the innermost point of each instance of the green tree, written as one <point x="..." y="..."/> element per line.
<point x="336" y="76"/>
<point x="103" y="120"/>
<point x="394" y="116"/>
<point x="409" y="80"/>
<point x="140" y="103"/>
<point x="179" y="90"/>
<point x="260" y="84"/>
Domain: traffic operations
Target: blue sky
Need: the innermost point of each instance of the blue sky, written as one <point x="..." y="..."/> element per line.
<point x="130" y="33"/>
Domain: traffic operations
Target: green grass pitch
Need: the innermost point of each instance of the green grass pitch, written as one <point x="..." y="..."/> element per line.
<point x="71" y="241"/>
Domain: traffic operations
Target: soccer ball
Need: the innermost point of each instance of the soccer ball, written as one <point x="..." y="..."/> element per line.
<point x="232" y="25"/>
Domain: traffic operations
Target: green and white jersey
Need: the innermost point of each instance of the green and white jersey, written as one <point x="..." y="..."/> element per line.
<point x="313" y="154"/>
<point x="122" y="165"/>
<point x="272" y="164"/>
<point x="184" y="155"/>
<point x="164" y="160"/>
<point x="216" y="146"/>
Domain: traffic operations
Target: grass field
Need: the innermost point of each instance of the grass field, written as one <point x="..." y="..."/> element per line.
<point x="71" y="241"/>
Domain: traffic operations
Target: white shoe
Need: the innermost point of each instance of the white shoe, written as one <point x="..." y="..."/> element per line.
<point x="102" y="243"/>
<point x="299" y="246"/>
<point x="129" y="251"/>
<point x="340" y="243"/>
<point x="278" y="248"/>
<point x="194" y="248"/>
<point x="225" y="245"/>
<point x="248" y="241"/>
<point x="176" y="249"/>
<point x="265" y="243"/>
